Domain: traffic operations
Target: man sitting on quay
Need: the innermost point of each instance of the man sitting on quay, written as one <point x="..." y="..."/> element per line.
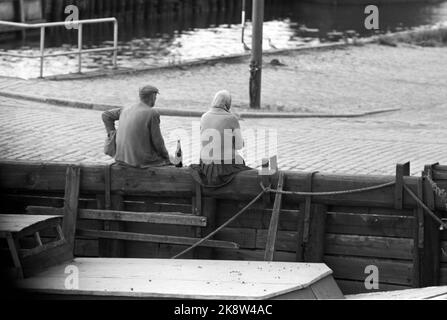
<point x="139" y="142"/>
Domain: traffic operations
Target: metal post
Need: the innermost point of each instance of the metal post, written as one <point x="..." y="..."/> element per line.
<point x="80" y="47"/>
<point x="115" y="43"/>
<point x="243" y="21"/>
<point x="22" y="17"/>
<point x="42" y="49"/>
<point x="256" y="57"/>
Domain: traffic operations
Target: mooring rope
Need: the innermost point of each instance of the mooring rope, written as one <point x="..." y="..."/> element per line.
<point x="329" y="193"/>
<point x="198" y="243"/>
<point x="443" y="225"/>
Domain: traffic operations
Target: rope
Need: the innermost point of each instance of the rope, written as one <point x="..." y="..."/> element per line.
<point x="443" y="225"/>
<point x="329" y="193"/>
<point x="441" y="193"/>
<point x="198" y="243"/>
<point x="442" y="222"/>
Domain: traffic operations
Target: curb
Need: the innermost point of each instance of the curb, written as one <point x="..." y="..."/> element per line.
<point x="189" y="113"/>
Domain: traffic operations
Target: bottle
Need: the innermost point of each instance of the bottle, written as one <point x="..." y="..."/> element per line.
<point x="179" y="155"/>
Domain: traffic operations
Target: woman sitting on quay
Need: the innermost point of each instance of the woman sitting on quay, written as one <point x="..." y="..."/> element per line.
<point x="220" y="141"/>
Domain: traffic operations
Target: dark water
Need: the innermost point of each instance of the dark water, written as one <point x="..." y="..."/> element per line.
<point x="155" y="32"/>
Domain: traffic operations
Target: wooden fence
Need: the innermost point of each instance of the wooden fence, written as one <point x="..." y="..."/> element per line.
<point x="384" y="228"/>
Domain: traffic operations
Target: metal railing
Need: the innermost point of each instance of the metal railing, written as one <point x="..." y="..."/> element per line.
<point x="74" y="24"/>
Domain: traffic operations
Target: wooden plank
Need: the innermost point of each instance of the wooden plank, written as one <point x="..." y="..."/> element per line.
<point x="86" y="248"/>
<point x="286" y="240"/>
<point x="40" y="249"/>
<point x="299" y="245"/>
<point x="326" y="288"/>
<point x="159" y="206"/>
<point x="357" y="287"/>
<point x="113" y="247"/>
<point x="369" y="246"/>
<point x="175" y="218"/>
<point x="443" y="275"/>
<point x="426" y="293"/>
<point x="14" y="248"/>
<point x="38" y="239"/>
<point x="168" y="251"/>
<point x="439" y="175"/>
<point x="16" y="223"/>
<point x="266" y="180"/>
<point x="314" y="250"/>
<point x="187" y="279"/>
<point x="370" y="224"/>
<point x="18" y="202"/>
<point x="73" y="178"/>
<point x="416" y="251"/>
<point x="390" y="212"/>
<point x="431" y="255"/>
<point x="273" y="228"/>
<point x="402" y="170"/>
<point x="130" y="236"/>
<point x="251" y="255"/>
<point x="209" y="211"/>
<point x="244" y="237"/>
<point x="353" y="268"/>
<point x="178" y="182"/>
<point x="255" y="218"/>
<point x="53" y="256"/>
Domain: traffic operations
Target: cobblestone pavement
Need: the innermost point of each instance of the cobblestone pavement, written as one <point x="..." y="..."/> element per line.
<point x="355" y="79"/>
<point x="372" y="145"/>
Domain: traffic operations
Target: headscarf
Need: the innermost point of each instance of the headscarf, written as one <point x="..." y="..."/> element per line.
<point x="222" y="100"/>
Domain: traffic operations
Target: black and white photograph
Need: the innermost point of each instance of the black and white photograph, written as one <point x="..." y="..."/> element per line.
<point x="223" y="156"/>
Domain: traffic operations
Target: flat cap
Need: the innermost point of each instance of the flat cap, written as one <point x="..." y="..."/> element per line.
<point x="147" y="90"/>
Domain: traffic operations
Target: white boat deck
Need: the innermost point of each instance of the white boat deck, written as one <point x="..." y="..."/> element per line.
<point x="188" y="279"/>
<point x="430" y="293"/>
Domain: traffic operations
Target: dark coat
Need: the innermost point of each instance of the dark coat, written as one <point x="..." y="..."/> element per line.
<point x="139" y="142"/>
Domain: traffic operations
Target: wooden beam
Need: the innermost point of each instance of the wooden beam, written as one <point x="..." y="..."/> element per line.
<point x="402" y="170"/>
<point x="113" y="248"/>
<point x="14" y="248"/>
<point x="368" y="224"/>
<point x="353" y="268"/>
<point x="314" y="250"/>
<point x="73" y="178"/>
<point x="431" y="257"/>
<point x="273" y="228"/>
<point x="169" y="182"/>
<point x="209" y="211"/>
<point x="174" y="218"/>
<point x="155" y="238"/>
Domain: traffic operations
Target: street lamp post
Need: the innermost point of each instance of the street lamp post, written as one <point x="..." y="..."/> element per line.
<point x="256" y="54"/>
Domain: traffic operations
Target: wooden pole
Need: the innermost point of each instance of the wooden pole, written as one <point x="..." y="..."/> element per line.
<point x="256" y="54"/>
